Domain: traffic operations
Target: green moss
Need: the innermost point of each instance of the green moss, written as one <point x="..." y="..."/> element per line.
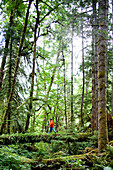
<point x="101" y="74"/>
<point x="110" y="143"/>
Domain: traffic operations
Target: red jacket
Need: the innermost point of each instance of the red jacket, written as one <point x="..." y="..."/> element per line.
<point x="51" y="124"/>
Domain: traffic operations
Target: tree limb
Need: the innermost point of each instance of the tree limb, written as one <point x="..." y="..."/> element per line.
<point x="48" y="13"/>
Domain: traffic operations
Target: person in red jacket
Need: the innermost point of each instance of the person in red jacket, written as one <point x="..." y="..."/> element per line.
<point x="51" y="126"/>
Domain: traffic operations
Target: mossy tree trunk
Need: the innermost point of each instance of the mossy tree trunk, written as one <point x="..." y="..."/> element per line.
<point x="94" y="69"/>
<point x="6" y="45"/>
<point x="93" y="84"/>
<point x="102" y="50"/>
<point x="16" y="69"/>
<point x="93" y="121"/>
<point x="10" y="78"/>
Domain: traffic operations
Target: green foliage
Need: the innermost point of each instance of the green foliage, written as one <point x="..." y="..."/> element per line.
<point x="110" y="150"/>
<point x="10" y="160"/>
<point x="94" y="139"/>
<point x="42" y="150"/>
<point x="75" y="163"/>
<point x="23" y="156"/>
<point x="56" y="20"/>
<point x="57" y="145"/>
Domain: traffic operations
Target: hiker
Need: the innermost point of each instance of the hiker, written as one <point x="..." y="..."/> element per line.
<point x="51" y="126"/>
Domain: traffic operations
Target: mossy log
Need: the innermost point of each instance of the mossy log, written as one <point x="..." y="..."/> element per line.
<point x="87" y="160"/>
<point x="56" y="163"/>
<point x="32" y="138"/>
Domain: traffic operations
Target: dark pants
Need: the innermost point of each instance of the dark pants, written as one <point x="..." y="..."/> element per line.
<point x="50" y="130"/>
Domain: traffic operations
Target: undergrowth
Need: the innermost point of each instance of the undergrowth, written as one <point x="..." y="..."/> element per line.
<point x="29" y="155"/>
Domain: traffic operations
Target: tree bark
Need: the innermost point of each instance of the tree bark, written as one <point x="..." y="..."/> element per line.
<point x="57" y="102"/>
<point x="102" y="50"/>
<point x="57" y="107"/>
<point x="83" y="82"/>
<point x="16" y="68"/>
<point x="10" y="78"/>
<point x="93" y="67"/>
<point x="64" y="90"/>
<point x="96" y="72"/>
<point x="72" y="117"/>
<point x="45" y="113"/>
<point x="6" y="46"/>
<point x="33" y="69"/>
<point x="93" y="88"/>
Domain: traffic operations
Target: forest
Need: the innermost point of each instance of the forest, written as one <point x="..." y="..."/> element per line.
<point x="56" y="62"/>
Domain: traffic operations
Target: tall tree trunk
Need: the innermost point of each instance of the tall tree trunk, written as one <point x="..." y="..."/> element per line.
<point x="93" y="85"/>
<point x="16" y="68"/>
<point x="112" y="68"/>
<point x="64" y="90"/>
<point x="93" y="67"/>
<point x="6" y="46"/>
<point x="57" y="106"/>
<point x="57" y="102"/>
<point x="102" y="50"/>
<point x="33" y="70"/>
<point x="68" y="104"/>
<point x="95" y="34"/>
<point x="96" y="73"/>
<point x="72" y="117"/>
<point x="45" y="113"/>
<point x="83" y="82"/>
<point x="10" y="78"/>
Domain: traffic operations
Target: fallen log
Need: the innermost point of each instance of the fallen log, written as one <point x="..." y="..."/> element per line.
<point x="32" y="138"/>
<point x="77" y="162"/>
<point x="85" y="160"/>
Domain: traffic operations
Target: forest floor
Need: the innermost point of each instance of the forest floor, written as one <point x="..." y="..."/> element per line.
<point x="63" y="151"/>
